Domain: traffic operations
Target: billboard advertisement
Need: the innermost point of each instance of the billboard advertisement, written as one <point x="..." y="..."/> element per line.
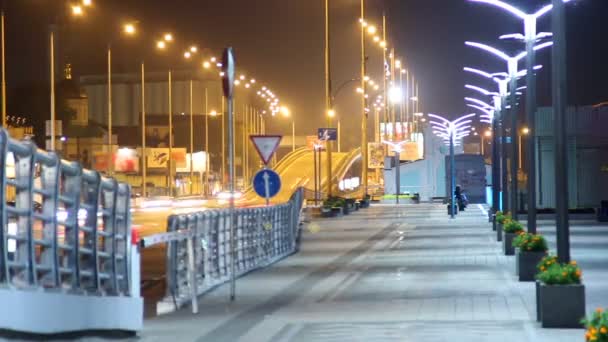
<point x="159" y="158"/>
<point x="375" y="152"/>
<point x="126" y="160"/>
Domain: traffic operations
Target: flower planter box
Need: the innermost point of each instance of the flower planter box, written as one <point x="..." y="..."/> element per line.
<point x="507" y="245"/>
<point x="327" y="212"/>
<point x="338" y="211"/>
<point x="561" y="306"/>
<point x="346" y="209"/>
<point x="525" y="266"/>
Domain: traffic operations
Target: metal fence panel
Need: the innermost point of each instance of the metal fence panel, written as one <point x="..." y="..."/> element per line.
<point x="262" y="237"/>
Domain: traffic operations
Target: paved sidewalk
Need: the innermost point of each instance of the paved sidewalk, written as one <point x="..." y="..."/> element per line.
<point x="405" y="273"/>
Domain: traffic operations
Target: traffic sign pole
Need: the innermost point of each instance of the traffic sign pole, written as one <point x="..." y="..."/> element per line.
<point x="228" y="85"/>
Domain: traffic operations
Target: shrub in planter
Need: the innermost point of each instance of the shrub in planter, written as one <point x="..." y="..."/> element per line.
<point x="511" y="229"/>
<point x="562" y="296"/>
<point x="531" y="249"/>
<point x="597" y="326"/>
<point x="502" y="217"/>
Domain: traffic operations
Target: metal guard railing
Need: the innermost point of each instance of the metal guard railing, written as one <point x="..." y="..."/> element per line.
<point x="263" y="236"/>
<point x="67" y="228"/>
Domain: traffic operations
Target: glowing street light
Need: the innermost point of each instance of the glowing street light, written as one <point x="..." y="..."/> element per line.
<point x="129" y="29"/>
<point x="161" y="45"/>
<point x="530" y="37"/>
<point x="206" y="65"/>
<point x="512" y="71"/>
<point x="395" y="95"/>
<point x="450" y="131"/>
<point x="87" y="3"/>
<point x="168" y="37"/>
<point x="77" y="11"/>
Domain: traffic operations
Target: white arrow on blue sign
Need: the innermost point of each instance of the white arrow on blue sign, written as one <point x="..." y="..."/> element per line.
<point x="266" y="183"/>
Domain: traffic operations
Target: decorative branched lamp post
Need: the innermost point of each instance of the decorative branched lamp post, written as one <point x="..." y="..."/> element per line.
<point x="451" y="132"/>
<point x="530" y="37"/>
<point x="512" y="74"/>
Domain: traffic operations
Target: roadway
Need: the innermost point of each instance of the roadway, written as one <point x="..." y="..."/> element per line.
<point x="296" y="170"/>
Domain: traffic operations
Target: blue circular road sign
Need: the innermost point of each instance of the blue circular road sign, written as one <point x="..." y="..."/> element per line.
<point x="266" y="183"/>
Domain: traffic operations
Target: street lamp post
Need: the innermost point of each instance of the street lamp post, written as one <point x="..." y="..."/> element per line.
<point x="328" y="104"/>
<point x="512" y="64"/>
<point x="363" y="109"/>
<point x="530" y="37"/>
<point x="144" y="164"/>
<point x="561" y="138"/>
<point x="451" y="131"/>
<point x="2" y="33"/>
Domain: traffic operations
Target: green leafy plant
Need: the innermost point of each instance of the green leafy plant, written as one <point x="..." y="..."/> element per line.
<point x="513" y="227"/>
<point x="527" y="242"/>
<point x="561" y="274"/>
<point x="597" y="326"/>
<point x="501" y="217"/>
<point x="545" y="263"/>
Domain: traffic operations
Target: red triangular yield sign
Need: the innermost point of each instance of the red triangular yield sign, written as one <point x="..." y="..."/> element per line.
<point x="266" y="145"/>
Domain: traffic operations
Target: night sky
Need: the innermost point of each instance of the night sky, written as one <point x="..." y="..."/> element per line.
<point x="280" y="42"/>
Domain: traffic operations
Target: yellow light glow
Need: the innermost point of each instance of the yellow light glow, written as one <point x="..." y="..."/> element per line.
<point x="242" y="77"/>
<point x="87" y="2"/>
<point x="488" y="133"/>
<point x="187" y="55"/>
<point x="366" y="78"/>
<point x="383" y="44"/>
<point x="525" y="130"/>
<point x="398" y="64"/>
<point x="376" y="39"/>
<point x="161" y="45"/>
<point x="213" y="113"/>
<point x="206" y="65"/>
<point x="129" y="29"/>
<point x="168" y="37"/>
<point x="193" y="49"/>
<point x="371" y="29"/>
<point x="360" y="90"/>
<point x="252" y="81"/>
<point x="237" y="82"/>
<point x="213" y="59"/>
<point x="77" y="10"/>
<point x="331" y="113"/>
<point x="248" y="85"/>
<point x="285" y="111"/>
<point x="376" y="87"/>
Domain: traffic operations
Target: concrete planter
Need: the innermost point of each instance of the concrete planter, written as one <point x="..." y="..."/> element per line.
<point x="327" y="212"/>
<point x="507" y="245"/>
<point x="525" y="267"/>
<point x="561" y="306"/>
<point x="346" y="209"/>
